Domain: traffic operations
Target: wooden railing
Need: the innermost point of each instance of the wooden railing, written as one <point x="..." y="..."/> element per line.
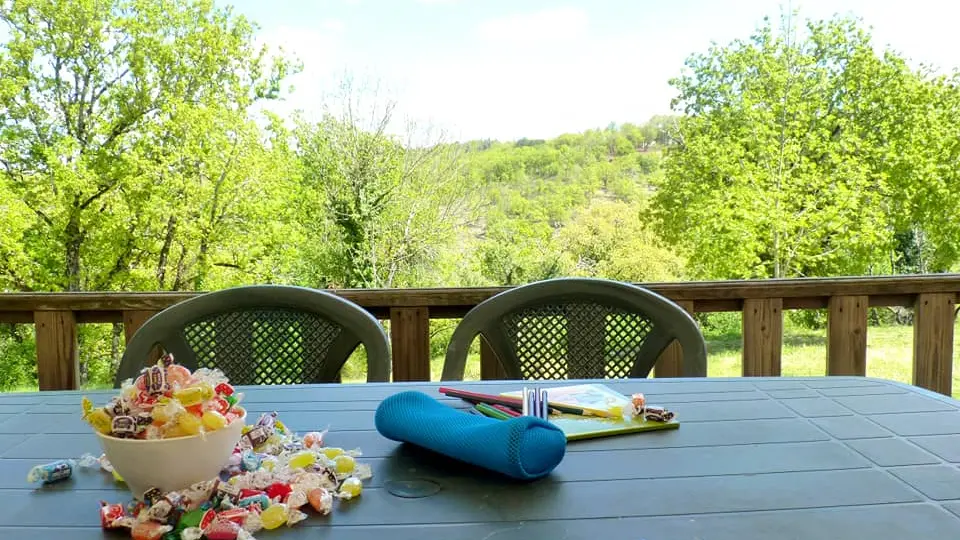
<point x="933" y="297"/>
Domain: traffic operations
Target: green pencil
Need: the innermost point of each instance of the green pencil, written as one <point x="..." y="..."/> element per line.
<point x="491" y="412"/>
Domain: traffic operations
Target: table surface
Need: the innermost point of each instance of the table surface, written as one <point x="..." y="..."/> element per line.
<point x="765" y="458"/>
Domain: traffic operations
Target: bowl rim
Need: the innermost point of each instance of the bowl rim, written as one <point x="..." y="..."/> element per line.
<point x="242" y="419"/>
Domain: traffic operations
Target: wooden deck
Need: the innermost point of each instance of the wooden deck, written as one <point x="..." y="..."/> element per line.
<point x="933" y="297"/>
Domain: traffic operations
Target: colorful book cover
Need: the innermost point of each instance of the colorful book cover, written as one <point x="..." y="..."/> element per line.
<point x="596" y="397"/>
<point x="585" y="396"/>
<point x="577" y="427"/>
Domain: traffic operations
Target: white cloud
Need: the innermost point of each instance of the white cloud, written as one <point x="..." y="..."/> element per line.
<point x="508" y="96"/>
<point x="558" y="24"/>
<point x="321" y="52"/>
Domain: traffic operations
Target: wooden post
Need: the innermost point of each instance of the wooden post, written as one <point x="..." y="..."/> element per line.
<point x="847" y="335"/>
<point x="133" y="320"/>
<point x="670" y="363"/>
<point x="490" y="368"/>
<point x="933" y="320"/>
<point x="410" y="341"/>
<point x="762" y="336"/>
<point x="58" y="358"/>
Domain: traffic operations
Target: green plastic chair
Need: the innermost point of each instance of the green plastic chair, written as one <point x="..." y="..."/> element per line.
<point x="577" y="328"/>
<point x="263" y="334"/>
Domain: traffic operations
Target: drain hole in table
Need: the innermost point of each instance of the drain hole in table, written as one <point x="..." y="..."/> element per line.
<point x="412" y="488"/>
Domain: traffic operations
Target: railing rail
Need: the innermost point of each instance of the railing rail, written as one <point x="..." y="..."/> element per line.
<point x="762" y="302"/>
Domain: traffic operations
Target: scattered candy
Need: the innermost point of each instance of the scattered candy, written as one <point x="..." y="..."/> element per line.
<point x="274" y="516"/>
<point x="313" y="439"/>
<point x="302" y="460"/>
<point x="321" y="500"/>
<point x="222" y="529"/>
<point x="149" y="530"/>
<point x="657" y="414"/>
<point x="52" y="472"/>
<point x="272" y="475"/>
<point x="110" y="514"/>
<point x="350" y="488"/>
<point x="638" y="408"/>
<point x="344" y="464"/>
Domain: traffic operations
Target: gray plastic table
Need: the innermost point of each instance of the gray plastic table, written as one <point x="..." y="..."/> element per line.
<point x="790" y="458"/>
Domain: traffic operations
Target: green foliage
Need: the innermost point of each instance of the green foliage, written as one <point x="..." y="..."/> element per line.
<point x="19" y="353"/>
<point x="383" y="212"/>
<point x="608" y="239"/>
<point x="796" y="156"/>
<point x="101" y="101"/>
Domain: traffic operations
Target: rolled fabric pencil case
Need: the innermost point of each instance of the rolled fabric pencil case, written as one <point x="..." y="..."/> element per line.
<point x="524" y="447"/>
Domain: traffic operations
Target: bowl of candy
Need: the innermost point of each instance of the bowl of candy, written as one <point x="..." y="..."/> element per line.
<point x="170" y="428"/>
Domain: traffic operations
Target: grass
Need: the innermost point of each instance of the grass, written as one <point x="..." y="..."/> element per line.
<point x="889" y="354"/>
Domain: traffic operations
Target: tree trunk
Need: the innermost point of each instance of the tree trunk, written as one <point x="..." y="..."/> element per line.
<point x="165" y="252"/>
<point x="115" y="347"/>
<point x="73" y="240"/>
<point x="201" y="265"/>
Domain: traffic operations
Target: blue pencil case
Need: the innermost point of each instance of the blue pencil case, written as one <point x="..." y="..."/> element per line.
<point x="524" y="448"/>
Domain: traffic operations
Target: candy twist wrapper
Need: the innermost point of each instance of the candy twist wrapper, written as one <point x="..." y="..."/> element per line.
<point x="270" y="481"/>
<point x="638" y="408"/>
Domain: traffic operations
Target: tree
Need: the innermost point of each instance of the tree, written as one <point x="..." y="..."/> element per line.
<point x="383" y="208"/>
<point x="780" y="167"/>
<point x="608" y="239"/>
<point x="86" y="87"/>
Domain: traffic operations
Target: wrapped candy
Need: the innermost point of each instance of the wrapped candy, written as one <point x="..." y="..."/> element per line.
<point x="294" y="516"/>
<point x="110" y="514"/>
<point x="639" y="402"/>
<point x="149" y="530"/>
<point x="250" y="461"/>
<point x="344" y="464"/>
<point x="256" y="436"/>
<point x="321" y="500"/>
<point x="222" y="529"/>
<point x="350" y="488"/>
<point x="274" y="516"/>
<point x="155" y="380"/>
<point x="313" y="439"/>
<point x="296" y="499"/>
<point x="278" y="491"/>
<point x="236" y="515"/>
<point x="52" y="472"/>
<point x="260" y="500"/>
<point x="228" y="491"/>
<point x="252" y="523"/>
<point x="657" y="414"/>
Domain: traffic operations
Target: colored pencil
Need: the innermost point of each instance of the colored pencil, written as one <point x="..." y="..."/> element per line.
<point x="505" y="409"/>
<point x="491" y="412"/>
<point x="476" y="397"/>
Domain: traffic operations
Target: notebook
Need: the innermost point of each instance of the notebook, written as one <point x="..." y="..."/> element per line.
<point x="596" y="397"/>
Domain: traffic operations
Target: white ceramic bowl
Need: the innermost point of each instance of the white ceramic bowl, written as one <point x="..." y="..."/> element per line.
<point x="171" y="464"/>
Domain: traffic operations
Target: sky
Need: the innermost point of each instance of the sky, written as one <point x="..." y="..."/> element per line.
<point x="506" y="69"/>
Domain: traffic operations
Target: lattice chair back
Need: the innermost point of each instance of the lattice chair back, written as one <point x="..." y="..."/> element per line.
<point x="263" y="334"/>
<point x="577" y="328"/>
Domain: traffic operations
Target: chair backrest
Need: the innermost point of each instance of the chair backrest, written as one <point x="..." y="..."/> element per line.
<point x="577" y="328"/>
<point x="263" y="334"/>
